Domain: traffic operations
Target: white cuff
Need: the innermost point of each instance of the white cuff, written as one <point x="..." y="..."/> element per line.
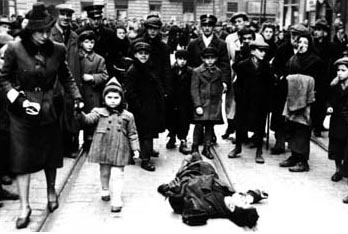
<point x="12" y="95"/>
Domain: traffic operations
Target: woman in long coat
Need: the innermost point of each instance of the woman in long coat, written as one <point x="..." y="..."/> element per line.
<point x="32" y="67"/>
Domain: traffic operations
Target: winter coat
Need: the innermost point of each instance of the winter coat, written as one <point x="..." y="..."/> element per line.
<point x="180" y="101"/>
<point x="68" y="121"/>
<point x="36" y="140"/>
<point x="115" y="138"/>
<point x="253" y="94"/>
<point x="93" y="64"/>
<point x="145" y="95"/>
<point x="160" y="58"/>
<point x="206" y="92"/>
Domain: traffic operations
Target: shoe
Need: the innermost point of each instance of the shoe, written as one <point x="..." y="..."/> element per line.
<point x="105" y="195"/>
<point x="252" y="145"/>
<point x="183" y="148"/>
<point x="22" y="222"/>
<point x="154" y="154"/>
<point x="209" y="152"/>
<point x="7" y="195"/>
<point x="116" y="209"/>
<point x="235" y="152"/>
<point x="317" y="133"/>
<point x="336" y="177"/>
<point x="259" y="158"/>
<point x="290" y="162"/>
<point x="345" y="200"/>
<point x="277" y="150"/>
<point x="146" y="165"/>
<point x="53" y="205"/>
<point x="226" y="135"/>
<point x="171" y="143"/>
<point x="6" y="180"/>
<point x="300" y="167"/>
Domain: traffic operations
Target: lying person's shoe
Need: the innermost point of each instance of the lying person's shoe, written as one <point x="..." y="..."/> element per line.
<point x="116" y="209"/>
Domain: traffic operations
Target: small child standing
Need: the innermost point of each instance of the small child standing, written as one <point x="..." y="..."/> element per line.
<point x="93" y="78"/>
<point x="179" y="108"/>
<point x="114" y="141"/>
<point x="207" y="87"/>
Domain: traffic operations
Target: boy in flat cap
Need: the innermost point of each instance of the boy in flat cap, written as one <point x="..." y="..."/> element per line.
<point x="179" y="105"/>
<point x="145" y="96"/>
<point x="106" y="38"/>
<point x="252" y="93"/>
<point x="195" y="49"/>
<point x="207" y="87"/>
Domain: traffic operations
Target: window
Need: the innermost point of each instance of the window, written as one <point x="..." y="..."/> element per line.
<point x="155" y="7"/>
<point x="232" y="7"/>
<point x="187" y="6"/>
<point x="121" y="7"/>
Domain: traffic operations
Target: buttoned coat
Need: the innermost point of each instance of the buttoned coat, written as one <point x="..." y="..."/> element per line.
<point x="115" y="137"/>
<point x="206" y="92"/>
<point x="35" y="140"/>
<point x="93" y="64"/>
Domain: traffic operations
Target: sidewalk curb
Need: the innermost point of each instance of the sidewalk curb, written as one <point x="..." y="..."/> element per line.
<point x="76" y="166"/>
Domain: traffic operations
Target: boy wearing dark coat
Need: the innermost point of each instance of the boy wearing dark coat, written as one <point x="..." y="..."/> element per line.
<point x="179" y="106"/>
<point x="207" y="87"/>
<point x="93" y="78"/>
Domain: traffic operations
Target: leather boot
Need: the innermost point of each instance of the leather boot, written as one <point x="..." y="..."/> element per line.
<point x="209" y="152"/>
<point x="258" y="157"/>
<point x="235" y="152"/>
<point x="183" y="148"/>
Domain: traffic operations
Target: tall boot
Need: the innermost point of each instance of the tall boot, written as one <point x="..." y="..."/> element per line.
<point x="209" y="151"/>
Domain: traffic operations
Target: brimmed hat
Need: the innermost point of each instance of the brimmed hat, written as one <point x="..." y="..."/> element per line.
<point x="112" y="86"/>
<point x="5" y="20"/>
<point x="181" y="54"/>
<point x="209" y="51"/>
<point x="341" y="61"/>
<point x="239" y="14"/>
<point x="88" y="34"/>
<point x="298" y="28"/>
<point x="94" y="11"/>
<point x="321" y="24"/>
<point x="142" y="46"/>
<point x="208" y="19"/>
<point x="65" y="7"/>
<point x="39" y="18"/>
<point x="153" y="21"/>
<point x="258" y="43"/>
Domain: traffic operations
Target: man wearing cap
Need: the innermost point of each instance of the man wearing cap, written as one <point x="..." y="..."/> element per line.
<point x="106" y="38"/>
<point x="5" y="26"/>
<point x="63" y="33"/>
<point x="328" y="52"/>
<point x="208" y="39"/>
<point x="284" y="53"/>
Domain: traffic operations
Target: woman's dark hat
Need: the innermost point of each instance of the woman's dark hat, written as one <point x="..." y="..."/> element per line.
<point x="39" y="18"/>
<point x="94" y="11"/>
<point x="141" y="46"/>
<point x="181" y="54"/>
<point x="153" y="21"/>
<point x="209" y="51"/>
<point x="88" y="34"/>
<point x="341" y="61"/>
<point x="112" y="86"/>
<point x="239" y="14"/>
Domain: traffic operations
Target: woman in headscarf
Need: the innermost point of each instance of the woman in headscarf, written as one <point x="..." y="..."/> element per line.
<point x="33" y="65"/>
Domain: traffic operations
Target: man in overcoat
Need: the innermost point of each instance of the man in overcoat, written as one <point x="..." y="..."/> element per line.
<point x="209" y="39"/>
<point x="63" y="33"/>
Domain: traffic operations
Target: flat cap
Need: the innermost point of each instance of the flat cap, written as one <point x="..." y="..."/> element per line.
<point x="153" y="21"/>
<point x="340" y="61"/>
<point x="209" y="51"/>
<point x="321" y="24"/>
<point x="87" y="35"/>
<point x="239" y="14"/>
<point x="299" y="28"/>
<point x="258" y="43"/>
<point x="142" y="46"/>
<point x="5" y="20"/>
<point x="94" y="11"/>
<point x="208" y="19"/>
<point x="65" y="7"/>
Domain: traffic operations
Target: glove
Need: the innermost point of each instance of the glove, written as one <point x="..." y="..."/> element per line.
<point x="78" y="105"/>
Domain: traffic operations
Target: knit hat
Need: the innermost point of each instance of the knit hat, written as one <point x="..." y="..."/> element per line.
<point x="153" y="21"/>
<point x="39" y="18"/>
<point x="113" y="86"/>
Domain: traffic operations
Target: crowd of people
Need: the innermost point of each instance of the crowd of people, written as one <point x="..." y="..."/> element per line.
<point x="123" y="84"/>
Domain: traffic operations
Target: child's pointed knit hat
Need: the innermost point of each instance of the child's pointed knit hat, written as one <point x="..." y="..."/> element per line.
<point x="112" y="85"/>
